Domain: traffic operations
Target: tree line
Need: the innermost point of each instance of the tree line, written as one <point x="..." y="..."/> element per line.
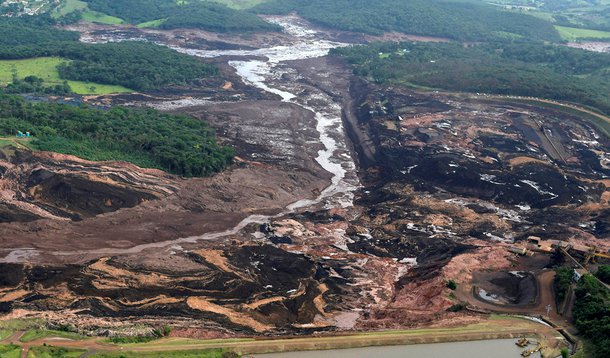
<point x="519" y="68"/>
<point x="140" y="66"/>
<point x="464" y="21"/>
<point x="203" y="15"/>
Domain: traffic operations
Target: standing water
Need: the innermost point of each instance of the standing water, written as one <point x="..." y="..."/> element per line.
<point x="496" y="348"/>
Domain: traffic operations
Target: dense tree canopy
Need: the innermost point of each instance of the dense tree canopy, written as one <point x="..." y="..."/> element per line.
<point x="137" y="65"/>
<point x="524" y="69"/>
<point x="603" y="273"/>
<point x="31" y="31"/>
<point x="466" y="21"/>
<point x="175" y="143"/>
<point x="592" y="314"/>
<point x="183" y="14"/>
<point x="140" y="66"/>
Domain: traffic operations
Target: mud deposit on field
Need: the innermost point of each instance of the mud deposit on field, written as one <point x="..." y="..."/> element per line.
<point x="349" y="207"/>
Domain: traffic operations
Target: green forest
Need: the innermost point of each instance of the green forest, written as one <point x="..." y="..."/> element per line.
<point x="140" y="66"/>
<point x="30" y="31"/>
<point x="176" y="143"/>
<point x="183" y="14"/>
<point x="592" y="314"/>
<point x="464" y="21"/>
<point x="519" y="68"/>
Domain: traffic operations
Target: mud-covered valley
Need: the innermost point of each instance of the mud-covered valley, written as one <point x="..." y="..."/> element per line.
<point x="349" y="207"/>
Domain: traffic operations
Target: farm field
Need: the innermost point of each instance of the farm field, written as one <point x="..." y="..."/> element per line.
<point x="46" y="68"/>
<point x="100" y="18"/>
<point x="152" y="23"/>
<point x="574" y="34"/>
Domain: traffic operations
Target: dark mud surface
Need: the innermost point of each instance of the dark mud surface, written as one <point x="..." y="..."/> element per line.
<point x="448" y="182"/>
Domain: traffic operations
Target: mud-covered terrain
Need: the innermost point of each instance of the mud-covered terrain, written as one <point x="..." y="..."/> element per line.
<point x="350" y="204"/>
<point x="52" y="186"/>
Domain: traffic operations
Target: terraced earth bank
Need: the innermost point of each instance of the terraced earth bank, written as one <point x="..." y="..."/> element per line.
<point x="350" y="206"/>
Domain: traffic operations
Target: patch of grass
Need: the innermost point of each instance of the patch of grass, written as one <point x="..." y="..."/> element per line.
<point x="69" y="6"/>
<point x="46" y="68"/>
<point x="574" y="34"/>
<point x="100" y="18"/>
<point x="207" y="353"/>
<point x="10" y="351"/>
<point x="152" y="23"/>
<point x="34" y="334"/>
<point x="55" y="352"/>
<point x="131" y="340"/>
<point x="19" y="324"/>
<point x="80" y="87"/>
<point x="174" y="342"/>
<point x="240" y="4"/>
<point x="5" y="333"/>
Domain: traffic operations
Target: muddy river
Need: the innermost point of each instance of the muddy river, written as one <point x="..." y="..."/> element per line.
<point x="267" y="71"/>
<point x="497" y="348"/>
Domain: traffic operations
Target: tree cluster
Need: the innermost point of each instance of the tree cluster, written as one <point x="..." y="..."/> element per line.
<point x="36" y="85"/>
<point x="592" y="314"/>
<point x="199" y="14"/>
<point x="465" y="21"/>
<point x="137" y="65"/>
<point x="175" y="143"/>
<point x="521" y="68"/>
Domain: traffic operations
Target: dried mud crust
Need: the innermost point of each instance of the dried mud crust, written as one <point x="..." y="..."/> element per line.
<point x="247" y="288"/>
<point x="448" y="184"/>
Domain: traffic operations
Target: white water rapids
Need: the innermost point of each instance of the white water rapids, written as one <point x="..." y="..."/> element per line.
<point x="267" y="75"/>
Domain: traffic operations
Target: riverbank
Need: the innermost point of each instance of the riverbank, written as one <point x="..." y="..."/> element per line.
<point x="496" y="327"/>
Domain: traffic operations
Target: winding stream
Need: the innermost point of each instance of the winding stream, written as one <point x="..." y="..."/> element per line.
<point x="267" y="75"/>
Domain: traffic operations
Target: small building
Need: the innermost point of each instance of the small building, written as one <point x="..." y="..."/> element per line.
<point x="578" y="273"/>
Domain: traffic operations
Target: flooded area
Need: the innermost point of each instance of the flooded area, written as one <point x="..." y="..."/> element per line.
<point x="497" y="348"/>
<point x="270" y="75"/>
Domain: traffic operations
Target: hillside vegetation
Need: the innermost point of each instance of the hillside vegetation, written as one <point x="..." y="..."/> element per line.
<point x="175" y="143"/>
<point x="524" y="69"/>
<point x="465" y="21"/>
<point x="170" y="14"/>
<point x="592" y="314"/>
<point x="138" y="66"/>
<point x="584" y="14"/>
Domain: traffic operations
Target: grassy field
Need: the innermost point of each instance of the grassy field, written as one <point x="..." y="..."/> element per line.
<point x="54" y="352"/>
<point x="574" y="34"/>
<point x="5" y="333"/>
<point x="207" y="353"/>
<point x="46" y="68"/>
<point x="68" y="6"/>
<point x="10" y="351"/>
<point x="34" y="334"/>
<point x="100" y="18"/>
<point x="152" y="23"/>
<point x="240" y="4"/>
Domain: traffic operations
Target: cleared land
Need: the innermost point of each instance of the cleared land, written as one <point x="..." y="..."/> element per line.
<point x="46" y="68"/>
<point x="240" y="4"/>
<point x="574" y="34"/>
<point x="100" y="18"/>
<point x="152" y="23"/>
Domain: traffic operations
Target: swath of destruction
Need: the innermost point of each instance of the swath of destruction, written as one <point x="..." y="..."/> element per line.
<point x="296" y="178"/>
